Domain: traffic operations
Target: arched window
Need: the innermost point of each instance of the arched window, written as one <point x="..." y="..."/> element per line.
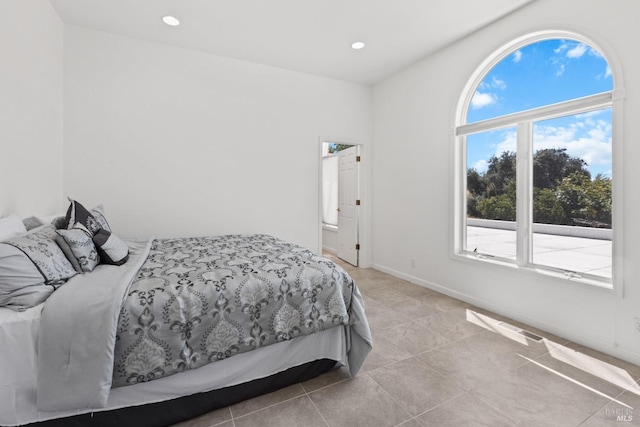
<point x="537" y="156"/>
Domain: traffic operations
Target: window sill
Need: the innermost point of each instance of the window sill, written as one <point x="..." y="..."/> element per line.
<point x="329" y="227"/>
<point x="533" y="270"/>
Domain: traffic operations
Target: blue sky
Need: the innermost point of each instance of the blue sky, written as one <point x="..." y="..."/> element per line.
<point x="544" y="73"/>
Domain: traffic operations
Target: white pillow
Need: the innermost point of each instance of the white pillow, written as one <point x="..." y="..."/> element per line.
<point x="11" y="226"/>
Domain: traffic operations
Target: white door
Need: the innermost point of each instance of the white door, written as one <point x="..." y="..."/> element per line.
<point x="348" y="205"/>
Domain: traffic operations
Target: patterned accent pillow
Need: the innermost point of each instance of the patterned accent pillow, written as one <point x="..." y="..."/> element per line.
<point x="93" y="220"/>
<point x="111" y="248"/>
<point x="76" y="213"/>
<point x="77" y="245"/>
<point x="40" y="246"/>
<point x="98" y="214"/>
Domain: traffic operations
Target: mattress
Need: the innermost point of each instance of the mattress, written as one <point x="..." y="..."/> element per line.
<point x="18" y="369"/>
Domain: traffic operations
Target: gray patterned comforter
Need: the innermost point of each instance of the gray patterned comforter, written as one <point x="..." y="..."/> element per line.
<point x="199" y="300"/>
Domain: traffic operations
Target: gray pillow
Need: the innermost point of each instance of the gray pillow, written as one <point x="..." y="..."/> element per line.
<point x="39" y="245"/>
<point x="111" y="248"/>
<point x="21" y="284"/>
<point x="32" y="222"/>
<point x="36" y="221"/>
<point x="31" y="267"/>
<point x="78" y="246"/>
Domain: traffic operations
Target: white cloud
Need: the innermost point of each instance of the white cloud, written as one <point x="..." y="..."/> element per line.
<point x="560" y="70"/>
<point x="517" y="56"/>
<point x="577" y="51"/>
<point x="608" y="72"/>
<point x="497" y="83"/>
<point x="480" y="99"/>
<point x="563" y="46"/>
<point x="587" y="139"/>
<point x="509" y="142"/>
<point x="481" y="166"/>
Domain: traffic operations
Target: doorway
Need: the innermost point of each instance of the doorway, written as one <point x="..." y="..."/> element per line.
<point x="340" y="200"/>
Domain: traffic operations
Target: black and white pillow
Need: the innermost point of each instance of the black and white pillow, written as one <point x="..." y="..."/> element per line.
<point x="111" y="248"/>
<point x="93" y="220"/>
<point x="77" y="244"/>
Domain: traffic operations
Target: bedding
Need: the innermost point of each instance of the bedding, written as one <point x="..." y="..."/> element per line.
<point x="32" y="266"/>
<point x="18" y="373"/>
<point x="200" y="300"/>
<point x="192" y="303"/>
<point x="11" y="226"/>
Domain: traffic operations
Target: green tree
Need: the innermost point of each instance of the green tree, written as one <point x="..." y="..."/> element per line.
<point x="547" y="209"/>
<point x="501" y="172"/>
<point x="552" y="165"/>
<point x="599" y="198"/>
<point x="501" y="206"/>
<point x="475" y="182"/>
<point x="572" y="195"/>
<point x="334" y="148"/>
<point x="563" y="191"/>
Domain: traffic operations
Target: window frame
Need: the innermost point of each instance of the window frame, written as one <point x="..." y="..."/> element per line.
<point x="524" y="121"/>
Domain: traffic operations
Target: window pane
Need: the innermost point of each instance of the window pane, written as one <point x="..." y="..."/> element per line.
<point x="542" y="73"/>
<point x="491" y="193"/>
<point x="572" y="193"/>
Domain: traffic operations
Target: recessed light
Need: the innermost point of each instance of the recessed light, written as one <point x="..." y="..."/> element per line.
<point x="171" y="20"/>
<point x="357" y="45"/>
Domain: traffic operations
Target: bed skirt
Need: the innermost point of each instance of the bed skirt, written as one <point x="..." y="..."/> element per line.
<point x="169" y="412"/>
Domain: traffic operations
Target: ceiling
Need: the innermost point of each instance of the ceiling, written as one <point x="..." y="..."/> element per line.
<point x="309" y="36"/>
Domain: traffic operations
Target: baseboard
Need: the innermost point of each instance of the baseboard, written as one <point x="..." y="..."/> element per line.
<point x="332" y="251"/>
<point x="605" y="347"/>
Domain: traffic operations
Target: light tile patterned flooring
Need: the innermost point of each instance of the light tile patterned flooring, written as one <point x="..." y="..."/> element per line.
<point x="438" y="361"/>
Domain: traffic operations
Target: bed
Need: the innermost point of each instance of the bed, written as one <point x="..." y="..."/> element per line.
<point x="182" y="327"/>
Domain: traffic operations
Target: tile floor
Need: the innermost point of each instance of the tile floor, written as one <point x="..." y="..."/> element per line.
<point x="438" y="361"/>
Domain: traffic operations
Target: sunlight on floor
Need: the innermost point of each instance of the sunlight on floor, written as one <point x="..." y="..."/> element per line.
<point x="566" y="377"/>
<point x="497" y="326"/>
<point x="588" y="364"/>
<point x="595" y="367"/>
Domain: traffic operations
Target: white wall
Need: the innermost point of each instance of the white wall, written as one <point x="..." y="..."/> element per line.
<point x="330" y="240"/>
<point x="176" y="142"/>
<point x="31" y="140"/>
<point x="413" y="121"/>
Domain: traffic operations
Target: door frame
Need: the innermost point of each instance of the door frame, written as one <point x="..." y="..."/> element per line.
<point x="364" y="213"/>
